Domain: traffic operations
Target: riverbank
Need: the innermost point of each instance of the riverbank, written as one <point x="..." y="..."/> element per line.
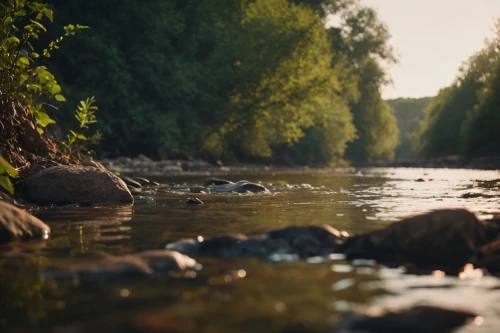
<point x="145" y="165"/>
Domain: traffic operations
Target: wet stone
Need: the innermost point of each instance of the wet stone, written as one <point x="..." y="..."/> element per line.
<point x="241" y="186"/>
<point x="16" y="223"/>
<point x="74" y="184"/>
<point x="448" y="237"/>
<point x="194" y="201"/>
<point x="142" y="264"/>
<point x="299" y="241"/>
<point x="418" y="319"/>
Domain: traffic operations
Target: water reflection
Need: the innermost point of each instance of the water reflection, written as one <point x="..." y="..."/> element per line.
<point x="243" y="295"/>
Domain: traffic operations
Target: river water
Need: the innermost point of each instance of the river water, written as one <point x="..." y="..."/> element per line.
<point x="247" y="295"/>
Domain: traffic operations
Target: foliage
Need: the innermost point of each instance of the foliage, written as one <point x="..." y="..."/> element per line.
<point x="76" y="142"/>
<point x="409" y="113"/>
<point x="7" y="172"/>
<point x="221" y="79"/>
<point x="363" y="40"/>
<point x="21" y="79"/>
<point x="462" y="118"/>
<point x="27" y="87"/>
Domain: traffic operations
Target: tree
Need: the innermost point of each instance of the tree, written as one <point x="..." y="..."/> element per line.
<point x="448" y="127"/>
<point x="409" y="113"/>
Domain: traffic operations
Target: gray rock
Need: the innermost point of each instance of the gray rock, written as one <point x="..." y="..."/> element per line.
<point x="450" y="237"/>
<point x="300" y="241"/>
<point x="142" y="264"/>
<point x="214" y="185"/>
<point x="74" y="184"/>
<point x="194" y="201"/>
<point x="16" y="223"/>
<point x="241" y="186"/>
<point x="418" y="319"/>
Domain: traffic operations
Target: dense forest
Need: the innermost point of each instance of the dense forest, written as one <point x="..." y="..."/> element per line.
<point x="463" y="119"/>
<point x="251" y="80"/>
<point x="281" y="81"/>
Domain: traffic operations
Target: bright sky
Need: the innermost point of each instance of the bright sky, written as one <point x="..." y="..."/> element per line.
<point x="432" y="38"/>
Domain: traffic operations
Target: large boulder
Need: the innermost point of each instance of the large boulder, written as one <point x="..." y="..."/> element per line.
<point x="16" y="223"/>
<point x="448" y="237"/>
<point x="295" y="241"/>
<point x="75" y="184"/>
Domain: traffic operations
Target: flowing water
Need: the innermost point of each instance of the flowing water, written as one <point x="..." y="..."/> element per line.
<point x="246" y="295"/>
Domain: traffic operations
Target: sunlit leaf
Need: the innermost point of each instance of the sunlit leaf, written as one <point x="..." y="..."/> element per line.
<point x="7" y="184"/>
<point x="23" y="61"/>
<point x="5" y="167"/>
<point x="55" y="89"/>
<point x="21" y="12"/>
<point x="12" y="40"/>
<point x="60" y="98"/>
<point x="43" y="119"/>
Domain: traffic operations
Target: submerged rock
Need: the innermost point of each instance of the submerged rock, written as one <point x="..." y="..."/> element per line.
<point x="16" y="223"/>
<point x="215" y="185"/>
<point x="449" y="237"/>
<point x="194" y="201"/>
<point x="62" y="185"/>
<point x="142" y="264"/>
<point x="418" y="319"/>
<point x="299" y="241"/>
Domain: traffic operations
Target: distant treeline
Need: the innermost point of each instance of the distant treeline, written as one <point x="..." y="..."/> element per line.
<point x="464" y="118"/>
<point x="222" y="79"/>
<point x="409" y="114"/>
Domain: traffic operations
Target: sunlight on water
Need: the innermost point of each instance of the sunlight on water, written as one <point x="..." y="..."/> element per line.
<point x="246" y="295"/>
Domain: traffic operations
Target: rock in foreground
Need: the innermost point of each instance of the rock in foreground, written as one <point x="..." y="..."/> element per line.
<point x="418" y="319"/>
<point x="16" y="223"/>
<point x="75" y="184"/>
<point x="297" y="241"/>
<point x="449" y="237"/>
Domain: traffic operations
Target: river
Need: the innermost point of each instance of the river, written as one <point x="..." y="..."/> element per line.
<point x="247" y="295"/>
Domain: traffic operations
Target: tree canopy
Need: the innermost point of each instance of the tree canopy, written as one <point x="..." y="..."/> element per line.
<point x="226" y="79"/>
<point x="462" y="119"/>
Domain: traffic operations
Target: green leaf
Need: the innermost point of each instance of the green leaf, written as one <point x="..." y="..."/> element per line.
<point x="60" y="98"/>
<point x="23" y="61"/>
<point x="49" y="13"/>
<point x="55" y="89"/>
<point x="43" y="119"/>
<point x="39" y="130"/>
<point x="12" y="40"/>
<point x="34" y="87"/>
<point x="5" y="167"/>
<point x="23" y="78"/>
<point x="7" y="184"/>
<point x="39" y="25"/>
<point x="44" y="76"/>
<point x="81" y="137"/>
<point x="20" y="12"/>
